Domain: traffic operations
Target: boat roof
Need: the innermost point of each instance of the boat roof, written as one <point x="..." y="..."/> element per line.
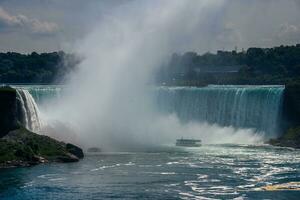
<point x="189" y="140"/>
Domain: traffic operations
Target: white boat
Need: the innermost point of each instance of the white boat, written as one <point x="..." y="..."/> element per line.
<point x="188" y="143"/>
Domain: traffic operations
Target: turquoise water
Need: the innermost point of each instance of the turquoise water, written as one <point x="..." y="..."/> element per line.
<point x="209" y="172"/>
<point x="241" y="106"/>
<point x="42" y="93"/>
<point x="255" y="106"/>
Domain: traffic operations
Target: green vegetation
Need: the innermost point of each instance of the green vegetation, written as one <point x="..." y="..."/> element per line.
<point x="290" y="139"/>
<point x="278" y="65"/>
<point x="36" y="68"/>
<point x="293" y="134"/>
<point x="21" y="147"/>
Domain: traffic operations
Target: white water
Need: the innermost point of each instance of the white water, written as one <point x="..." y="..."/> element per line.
<point x="256" y="107"/>
<point x="29" y="111"/>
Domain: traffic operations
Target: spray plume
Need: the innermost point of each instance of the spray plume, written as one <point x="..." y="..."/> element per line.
<point x="108" y="103"/>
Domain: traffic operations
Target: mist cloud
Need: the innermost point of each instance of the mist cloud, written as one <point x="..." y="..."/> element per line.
<point x="110" y="101"/>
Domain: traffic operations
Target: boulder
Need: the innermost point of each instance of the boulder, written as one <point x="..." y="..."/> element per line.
<point x="71" y="148"/>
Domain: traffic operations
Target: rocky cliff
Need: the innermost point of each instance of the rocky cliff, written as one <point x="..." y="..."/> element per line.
<point x="291" y="106"/>
<point x="8" y="110"/>
<point x="21" y="147"/>
<point x="290" y="118"/>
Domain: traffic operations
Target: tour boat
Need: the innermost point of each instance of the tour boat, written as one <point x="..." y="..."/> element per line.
<point x="188" y="143"/>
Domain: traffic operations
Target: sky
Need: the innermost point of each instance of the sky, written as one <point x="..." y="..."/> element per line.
<point x="52" y="25"/>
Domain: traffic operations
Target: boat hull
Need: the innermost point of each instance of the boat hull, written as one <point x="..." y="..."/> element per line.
<point x="188" y="145"/>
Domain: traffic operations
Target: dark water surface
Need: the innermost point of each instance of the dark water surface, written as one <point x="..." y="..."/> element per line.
<point x="209" y="172"/>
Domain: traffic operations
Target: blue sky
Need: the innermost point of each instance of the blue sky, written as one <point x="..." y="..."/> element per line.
<point x="51" y="25"/>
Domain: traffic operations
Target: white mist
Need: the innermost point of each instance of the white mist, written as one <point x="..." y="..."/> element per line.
<point x="107" y="103"/>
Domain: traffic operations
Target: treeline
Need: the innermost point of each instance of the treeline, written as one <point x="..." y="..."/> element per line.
<point x="36" y="68"/>
<point x="278" y="65"/>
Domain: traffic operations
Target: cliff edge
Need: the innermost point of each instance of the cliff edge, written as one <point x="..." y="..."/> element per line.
<point x="22" y="147"/>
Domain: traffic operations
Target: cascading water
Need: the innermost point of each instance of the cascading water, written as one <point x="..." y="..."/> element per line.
<point x="256" y="107"/>
<point x="30" y="114"/>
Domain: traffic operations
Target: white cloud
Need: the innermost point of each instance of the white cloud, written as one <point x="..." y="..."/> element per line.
<point x="17" y="22"/>
<point x="288" y="30"/>
<point x="287" y="34"/>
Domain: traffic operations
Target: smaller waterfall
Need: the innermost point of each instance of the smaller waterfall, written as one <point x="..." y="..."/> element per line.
<point x="30" y="114"/>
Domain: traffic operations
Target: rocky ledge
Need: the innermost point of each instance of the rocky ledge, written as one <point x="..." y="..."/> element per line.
<point x="290" y="139"/>
<point x="21" y="147"/>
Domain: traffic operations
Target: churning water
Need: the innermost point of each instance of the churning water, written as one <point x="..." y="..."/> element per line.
<point x="209" y="172"/>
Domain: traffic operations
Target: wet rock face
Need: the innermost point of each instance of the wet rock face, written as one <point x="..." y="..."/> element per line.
<point x="291" y="138"/>
<point x="291" y="107"/>
<point x="8" y="110"/>
<point x="290" y="121"/>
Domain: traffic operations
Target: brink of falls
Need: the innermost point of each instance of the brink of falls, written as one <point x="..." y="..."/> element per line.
<point x="256" y="107"/>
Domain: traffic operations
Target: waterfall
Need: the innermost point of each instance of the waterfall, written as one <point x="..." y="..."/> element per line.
<point x="256" y="107"/>
<point x="30" y="115"/>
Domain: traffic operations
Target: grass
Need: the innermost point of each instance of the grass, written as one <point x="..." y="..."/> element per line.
<point x="24" y="145"/>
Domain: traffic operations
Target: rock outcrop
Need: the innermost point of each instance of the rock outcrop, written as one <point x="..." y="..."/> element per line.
<point x="290" y="122"/>
<point x="291" y="138"/>
<point x="291" y="107"/>
<point x="21" y="147"/>
<point x="8" y="110"/>
<point x="74" y="150"/>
